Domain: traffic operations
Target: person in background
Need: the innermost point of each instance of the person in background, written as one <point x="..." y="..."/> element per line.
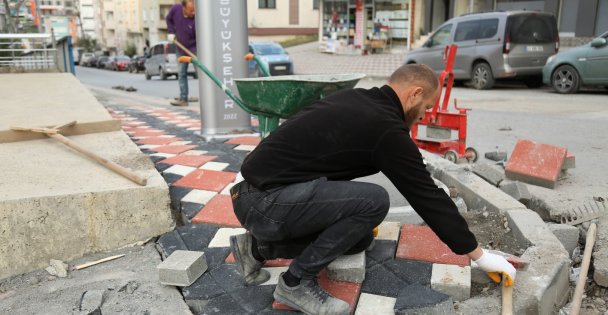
<point x="180" y="27"/>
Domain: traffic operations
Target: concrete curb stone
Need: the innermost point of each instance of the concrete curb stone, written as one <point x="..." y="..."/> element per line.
<point x="182" y="268"/>
<point x="567" y="234"/>
<point x="600" y="257"/>
<point x="489" y="172"/>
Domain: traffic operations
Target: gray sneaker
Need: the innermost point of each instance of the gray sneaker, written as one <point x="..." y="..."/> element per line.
<point x="249" y="267"/>
<point x="309" y="298"/>
<point x="179" y="103"/>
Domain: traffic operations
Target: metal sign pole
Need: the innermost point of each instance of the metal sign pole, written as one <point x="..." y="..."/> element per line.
<point x="221" y="36"/>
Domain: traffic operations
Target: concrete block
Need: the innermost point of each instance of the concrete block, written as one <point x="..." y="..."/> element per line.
<point x="416" y="299"/>
<point x="438" y="133"/>
<point x="222" y="237"/>
<point x="600" y="256"/>
<point x="535" y="163"/>
<point x="490" y="173"/>
<point x="182" y="268"/>
<point x="454" y="281"/>
<point x="371" y="304"/>
<point x="388" y="231"/>
<point x="460" y="204"/>
<point x="349" y="268"/>
<point x="404" y="215"/>
<point x="517" y="190"/>
<point x="566" y="234"/>
<point x="496" y="156"/>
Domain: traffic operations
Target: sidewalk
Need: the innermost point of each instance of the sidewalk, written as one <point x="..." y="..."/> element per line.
<point x="308" y="60"/>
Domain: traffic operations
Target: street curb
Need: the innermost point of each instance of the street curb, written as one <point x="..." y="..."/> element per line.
<point x="543" y="287"/>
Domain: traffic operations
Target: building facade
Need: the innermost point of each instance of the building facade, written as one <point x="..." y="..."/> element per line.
<point x="153" y="20"/>
<point x="87" y="18"/>
<point x="282" y="19"/>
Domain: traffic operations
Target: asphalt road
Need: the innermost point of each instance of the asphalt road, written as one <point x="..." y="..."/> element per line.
<point x="498" y="118"/>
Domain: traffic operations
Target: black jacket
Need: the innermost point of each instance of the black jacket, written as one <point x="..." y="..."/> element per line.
<point x="354" y="133"/>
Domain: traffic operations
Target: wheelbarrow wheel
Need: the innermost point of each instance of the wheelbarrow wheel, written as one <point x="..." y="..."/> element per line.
<point x="451" y="156"/>
<point x="471" y="154"/>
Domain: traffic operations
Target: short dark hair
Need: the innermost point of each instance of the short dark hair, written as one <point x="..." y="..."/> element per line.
<point x="184" y="2"/>
<point x="411" y="73"/>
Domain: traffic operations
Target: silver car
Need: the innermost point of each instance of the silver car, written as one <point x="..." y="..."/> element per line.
<point x="162" y="61"/>
<point x="492" y="46"/>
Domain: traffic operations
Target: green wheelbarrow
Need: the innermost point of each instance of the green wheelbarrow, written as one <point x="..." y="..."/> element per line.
<point x="273" y="98"/>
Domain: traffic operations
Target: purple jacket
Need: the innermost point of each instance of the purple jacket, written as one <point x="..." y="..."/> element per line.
<point x="183" y="28"/>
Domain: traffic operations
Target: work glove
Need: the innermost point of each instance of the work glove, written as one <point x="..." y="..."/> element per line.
<point x="171" y="38"/>
<point x="497" y="267"/>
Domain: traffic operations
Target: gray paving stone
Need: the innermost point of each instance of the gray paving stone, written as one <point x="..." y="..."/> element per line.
<point x="383" y="250"/>
<point x="567" y="234"/>
<point x="416" y="299"/>
<point x="170" y="242"/>
<point x="381" y="281"/>
<point x="202" y="290"/>
<point x="197" y="236"/>
<point x="517" y="190"/>
<point x="182" y="268"/>
<point x="255" y="298"/>
<point x="350" y="268"/>
<point x="221" y="305"/>
<point x="189" y="210"/>
<point x="171" y="178"/>
<point x="228" y="277"/>
<point x="410" y="271"/>
<point x="216" y="256"/>
<point x="92" y="300"/>
<point x="489" y="172"/>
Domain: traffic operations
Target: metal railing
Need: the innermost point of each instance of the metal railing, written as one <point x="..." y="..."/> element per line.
<point x="29" y="52"/>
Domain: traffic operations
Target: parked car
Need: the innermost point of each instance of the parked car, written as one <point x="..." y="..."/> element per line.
<point x="137" y="64"/>
<point x="162" y="61"/>
<point x="76" y="55"/>
<point x="586" y="65"/>
<point x="86" y="57"/>
<point x="119" y="63"/>
<point x="273" y="55"/>
<point x="93" y="61"/>
<point x="494" y="45"/>
<point x="102" y="61"/>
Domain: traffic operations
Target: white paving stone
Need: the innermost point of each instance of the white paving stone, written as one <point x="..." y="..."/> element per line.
<point x="180" y="143"/>
<point x="167" y="136"/>
<point x="194" y="152"/>
<point x="222" y="237"/>
<point x="179" y="170"/>
<point x="275" y="272"/>
<point x="244" y="147"/>
<point x="371" y="304"/>
<point x="349" y="268"/>
<point x="388" y="231"/>
<point x="165" y="155"/>
<point x="199" y="196"/>
<point x="226" y="190"/>
<point x="452" y="280"/>
<point x="214" y="166"/>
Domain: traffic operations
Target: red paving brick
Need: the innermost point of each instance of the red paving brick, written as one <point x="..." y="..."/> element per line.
<point x="421" y="243"/>
<point x="246" y="140"/>
<point x="218" y="211"/>
<point x="346" y="291"/>
<point x="174" y="149"/>
<point x="206" y="180"/>
<point x="158" y="140"/>
<point x="536" y="163"/>
<point x="189" y="160"/>
<point x="269" y="263"/>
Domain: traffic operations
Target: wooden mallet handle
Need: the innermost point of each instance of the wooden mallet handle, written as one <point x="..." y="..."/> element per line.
<point x="507" y="300"/>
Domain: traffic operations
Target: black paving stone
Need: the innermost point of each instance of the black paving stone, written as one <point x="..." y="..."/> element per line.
<point x="222" y="305"/>
<point x="170" y="242"/>
<point x="216" y="256"/>
<point x="410" y="271"/>
<point x="379" y="280"/>
<point x="271" y="311"/>
<point x="176" y="193"/>
<point x="383" y="250"/>
<point x="234" y="159"/>
<point x="203" y="289"/>
<point x="160" y="167"/>
<point x="255" y="298"/>
<point x="190" y="210"/>
<point x="228" y="277"/>
<point x="197" y="236"/>
<point x="156" y="159"/>
<point x="418" y="296"/>
<point x="171" y="178"/>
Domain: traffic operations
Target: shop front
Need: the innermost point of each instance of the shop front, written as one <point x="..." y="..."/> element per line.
<point x="365" y="26"/>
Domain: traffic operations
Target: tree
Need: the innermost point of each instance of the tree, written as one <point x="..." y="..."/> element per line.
<point x="89" y="44"/>
<point x="130" y="50"/>
<point x="12" y="25"/>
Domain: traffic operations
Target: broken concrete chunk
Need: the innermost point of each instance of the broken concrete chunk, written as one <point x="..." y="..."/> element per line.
<point x="130" y="287"/>
<point x="490" y="173"/>
<point x="496" y="156"/>
<point x="566" y="234"/>
<point x="182" y="268"/>
<point x="92" y="300"/>
<point x="350" y="268"/>
<point x="517" y="190"/>
<point x="600" y="256"/>
<point x="59" y="267"/>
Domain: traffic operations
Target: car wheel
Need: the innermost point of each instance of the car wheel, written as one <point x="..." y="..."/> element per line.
<point x="148" y="76"/>
<point x="163" y="75"/>
<point x="482" y="76"/>
<point x="565" y="80"/>
<point x="534" y="82"/>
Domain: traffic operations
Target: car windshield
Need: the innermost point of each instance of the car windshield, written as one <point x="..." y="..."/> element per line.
<point x="268" y="49"/>
<point x="532" y="28"/>
<point x="122" y="58"/>
<point x="171" y="49"/>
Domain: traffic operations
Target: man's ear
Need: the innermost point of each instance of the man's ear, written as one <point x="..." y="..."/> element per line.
<point x="418" y="91"/>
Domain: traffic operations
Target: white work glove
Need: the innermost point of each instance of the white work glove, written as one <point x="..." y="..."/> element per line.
<point x="497" y="267"/>
<point x="171" y="38"/>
